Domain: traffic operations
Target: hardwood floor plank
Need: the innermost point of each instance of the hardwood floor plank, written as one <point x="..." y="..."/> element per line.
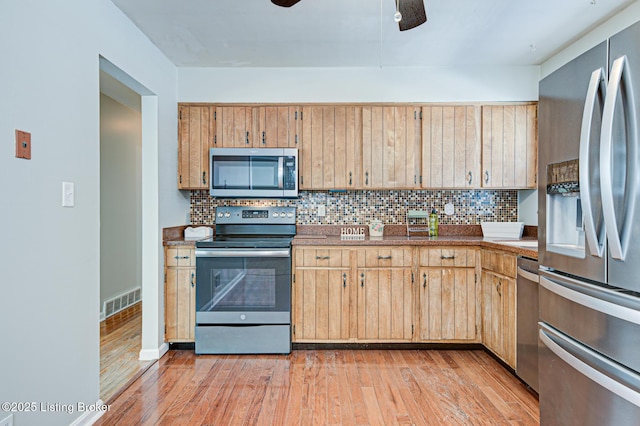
<point x="326" y="387"/>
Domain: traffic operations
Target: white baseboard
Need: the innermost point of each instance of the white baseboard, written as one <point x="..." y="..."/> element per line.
<point x="151" y="354"/>
<point x="91" y="414"/>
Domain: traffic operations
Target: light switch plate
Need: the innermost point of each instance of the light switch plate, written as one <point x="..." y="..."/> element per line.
<point x="23" y="144"/>
<point x="68" y="194"/>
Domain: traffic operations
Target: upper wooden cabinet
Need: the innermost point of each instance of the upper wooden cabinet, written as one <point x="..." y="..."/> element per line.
<point x="509" y="146"/>
<point x="451" y="146"/>
<point x="372" y="146"/>
<point x="256" y="126"/>
<point x="390" y="147"/>
<point x="330" y="155"/>
<point x="196" y="130"/>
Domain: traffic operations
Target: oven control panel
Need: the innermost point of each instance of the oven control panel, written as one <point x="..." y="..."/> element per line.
<point x="255" y="215"/>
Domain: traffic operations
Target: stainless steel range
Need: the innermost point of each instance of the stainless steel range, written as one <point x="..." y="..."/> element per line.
<point x="243" y="296"/>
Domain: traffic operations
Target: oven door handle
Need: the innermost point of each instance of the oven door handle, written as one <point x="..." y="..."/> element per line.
<point x="229" y="252"/>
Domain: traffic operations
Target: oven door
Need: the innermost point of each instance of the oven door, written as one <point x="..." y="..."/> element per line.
<point x="243" y="286"/>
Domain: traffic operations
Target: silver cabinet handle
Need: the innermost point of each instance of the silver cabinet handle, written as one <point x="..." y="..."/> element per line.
<point x="366" y="180"/>
<point x="385" y="257"/>
<point x="344" y="280"/>
<point x="362" y="280"/>
<point x="447" y="257"/>
<point x="596" y="86"/>
<point x="193" y="279"/>
<point x="424" y="280"/>
<point x="614" y="237"/>
<point x="247" y="139"/>
<point x="486" y="176"/>
<point x="181" y="257"/>
<point x="323" y="257"/>
<point x="470" y="177"/>
<point x="350" y="178"/>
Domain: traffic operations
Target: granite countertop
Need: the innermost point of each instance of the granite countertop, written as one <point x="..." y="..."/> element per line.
<point x="423" y="241"/>
<point x="395" y="235"/>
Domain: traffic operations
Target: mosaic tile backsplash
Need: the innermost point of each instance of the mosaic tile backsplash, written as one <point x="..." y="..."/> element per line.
<point x="360" y="207"/>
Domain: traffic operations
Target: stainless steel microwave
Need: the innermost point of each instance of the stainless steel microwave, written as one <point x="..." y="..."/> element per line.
<point x="254" y="172"/>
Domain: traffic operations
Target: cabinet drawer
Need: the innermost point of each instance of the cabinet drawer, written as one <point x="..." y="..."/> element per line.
<point x="499" y="262"/>
<point x="327" y="257"/>
<point x="183" y="256"/>
<point x="439" y="256"/>
<point x="385" y="257"/>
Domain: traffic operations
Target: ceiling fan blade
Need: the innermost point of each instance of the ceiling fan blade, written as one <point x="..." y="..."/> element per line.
<point x="284" y="3"/>
<point x="413" y="14"/>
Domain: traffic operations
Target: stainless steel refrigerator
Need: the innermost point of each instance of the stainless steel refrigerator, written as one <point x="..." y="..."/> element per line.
<point x="589" y="237"/>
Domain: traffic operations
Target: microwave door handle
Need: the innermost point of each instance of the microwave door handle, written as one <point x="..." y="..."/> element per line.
<point x="596" y="84"/>
<point x="280" y="172"/>
<point x="619" y="71"/>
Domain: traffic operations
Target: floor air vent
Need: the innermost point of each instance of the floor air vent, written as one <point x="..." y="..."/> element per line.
<point x="116" y="304"/>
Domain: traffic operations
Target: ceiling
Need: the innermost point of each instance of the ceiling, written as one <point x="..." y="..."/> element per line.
<point x="362" y="33"/>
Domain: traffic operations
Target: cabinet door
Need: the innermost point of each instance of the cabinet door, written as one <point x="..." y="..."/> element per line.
<point x="390" y="146"/>
<point x="448" y="304"/>
<point x="196" y="130"/>
<point x="385" y="304"/>
<point x="330" y="149"/>
<point x="180" y="304"/>
<point x="276" y="126"/>
<point x="234" y="127"/>
<point x="499" y="315"/>
<point x="451" y="146"/>
<point x="509" y="146"/>
<point x="322" y="305"/>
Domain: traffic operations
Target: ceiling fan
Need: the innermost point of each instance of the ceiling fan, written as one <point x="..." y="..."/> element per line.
<point x="409" y="13"/>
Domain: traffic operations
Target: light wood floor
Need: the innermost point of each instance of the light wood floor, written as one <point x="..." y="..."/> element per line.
<point x="338" y="387"/>
<point x="120" y="344"/>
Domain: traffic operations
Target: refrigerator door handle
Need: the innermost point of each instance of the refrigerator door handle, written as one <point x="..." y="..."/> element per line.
<point x="599" y="304"/>
<point x="555" y="344"/>
<point x="618" y="239"/>
<point x="597" y="85"/>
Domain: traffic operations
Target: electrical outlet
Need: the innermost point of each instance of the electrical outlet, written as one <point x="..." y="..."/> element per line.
<point x="322" y="210"/>
<point x="7" y="421"/>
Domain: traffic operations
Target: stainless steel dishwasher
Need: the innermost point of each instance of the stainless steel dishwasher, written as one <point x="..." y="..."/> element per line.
<point x="527" y="325"/>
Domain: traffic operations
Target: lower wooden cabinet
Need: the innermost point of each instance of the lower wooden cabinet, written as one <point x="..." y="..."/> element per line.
<point x="322" y="295"/>
<point x="180" y="294"/>
<point x="499" y="304"/>
<point x="405" y="294"/>
<point x="448" y="297"/>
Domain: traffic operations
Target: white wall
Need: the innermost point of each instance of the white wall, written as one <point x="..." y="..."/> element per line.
<point x="120" y="198"/>
<point x="50" y="255"/>
<point x="432" y="84"/>
<point x="620" y="21"/>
